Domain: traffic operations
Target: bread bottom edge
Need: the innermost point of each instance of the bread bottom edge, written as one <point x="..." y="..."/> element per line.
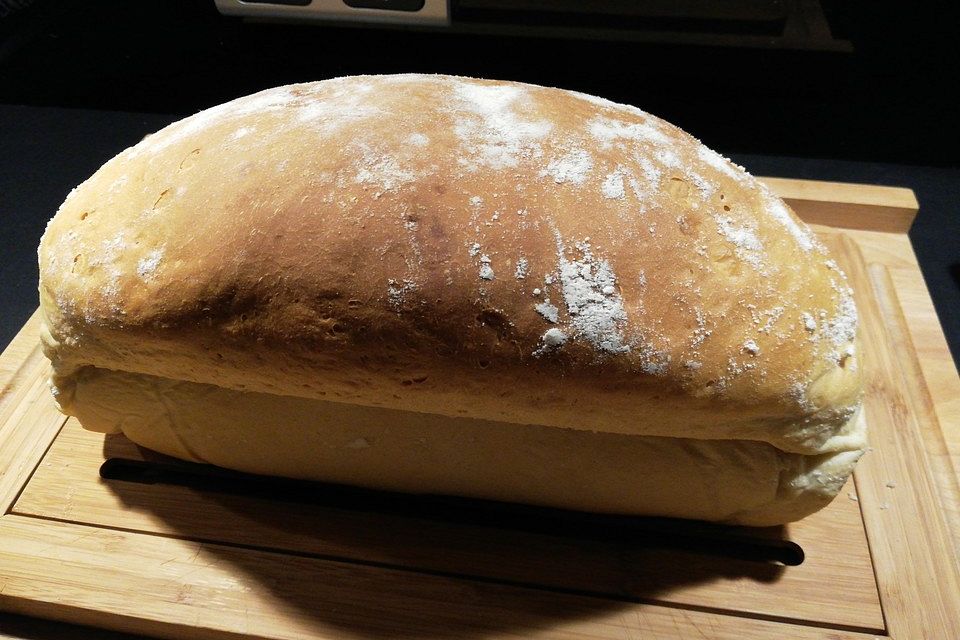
<point x="733" y="481"/>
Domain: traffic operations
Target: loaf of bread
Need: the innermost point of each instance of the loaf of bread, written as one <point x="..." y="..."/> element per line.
<point x="448" y="285"/>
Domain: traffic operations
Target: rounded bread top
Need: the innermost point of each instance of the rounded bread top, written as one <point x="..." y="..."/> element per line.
<point x="457" y="246"/>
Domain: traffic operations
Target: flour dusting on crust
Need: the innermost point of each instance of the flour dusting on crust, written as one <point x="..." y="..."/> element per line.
<point x="147" y="265"/>
<point x="840" y="329"/>
<point x="549" y="312"/>
<point x="612" y="186"/>
<point x="573" y="167"/>
<point x="480" y="196"/>
<point x="802" y="235"/>
<point x="495" y="136"/>
<point x="745" y="242"/>
<point x="595" y="316"/>
<point x="382" y="170"/>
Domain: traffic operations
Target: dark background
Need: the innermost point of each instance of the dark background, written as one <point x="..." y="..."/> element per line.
<point x="79" y="81"/>
<point x="886" y="100"/>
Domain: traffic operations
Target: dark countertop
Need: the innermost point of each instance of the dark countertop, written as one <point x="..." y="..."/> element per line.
<point x="46" y="151"/>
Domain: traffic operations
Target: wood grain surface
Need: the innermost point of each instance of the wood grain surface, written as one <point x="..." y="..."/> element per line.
<point x="177" y="589"/>
<point x="834" y="585"/>
<point x="848" y="206"/>
<point x="898" y="494"/>
<point x="28" y="418"/>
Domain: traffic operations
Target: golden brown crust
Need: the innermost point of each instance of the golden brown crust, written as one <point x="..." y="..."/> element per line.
<point x="463" y="247"/>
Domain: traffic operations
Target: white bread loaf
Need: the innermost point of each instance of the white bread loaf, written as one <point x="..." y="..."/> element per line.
<point x="497" y="253"/>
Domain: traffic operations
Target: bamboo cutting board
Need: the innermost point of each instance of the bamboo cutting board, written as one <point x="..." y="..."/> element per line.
<point x="168" y="549"/>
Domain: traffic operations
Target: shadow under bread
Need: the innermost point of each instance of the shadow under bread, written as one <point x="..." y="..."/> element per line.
<point x="520" y="561"/>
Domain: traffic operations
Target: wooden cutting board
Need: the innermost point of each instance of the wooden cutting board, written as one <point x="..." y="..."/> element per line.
<point x="182" y="551"/>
